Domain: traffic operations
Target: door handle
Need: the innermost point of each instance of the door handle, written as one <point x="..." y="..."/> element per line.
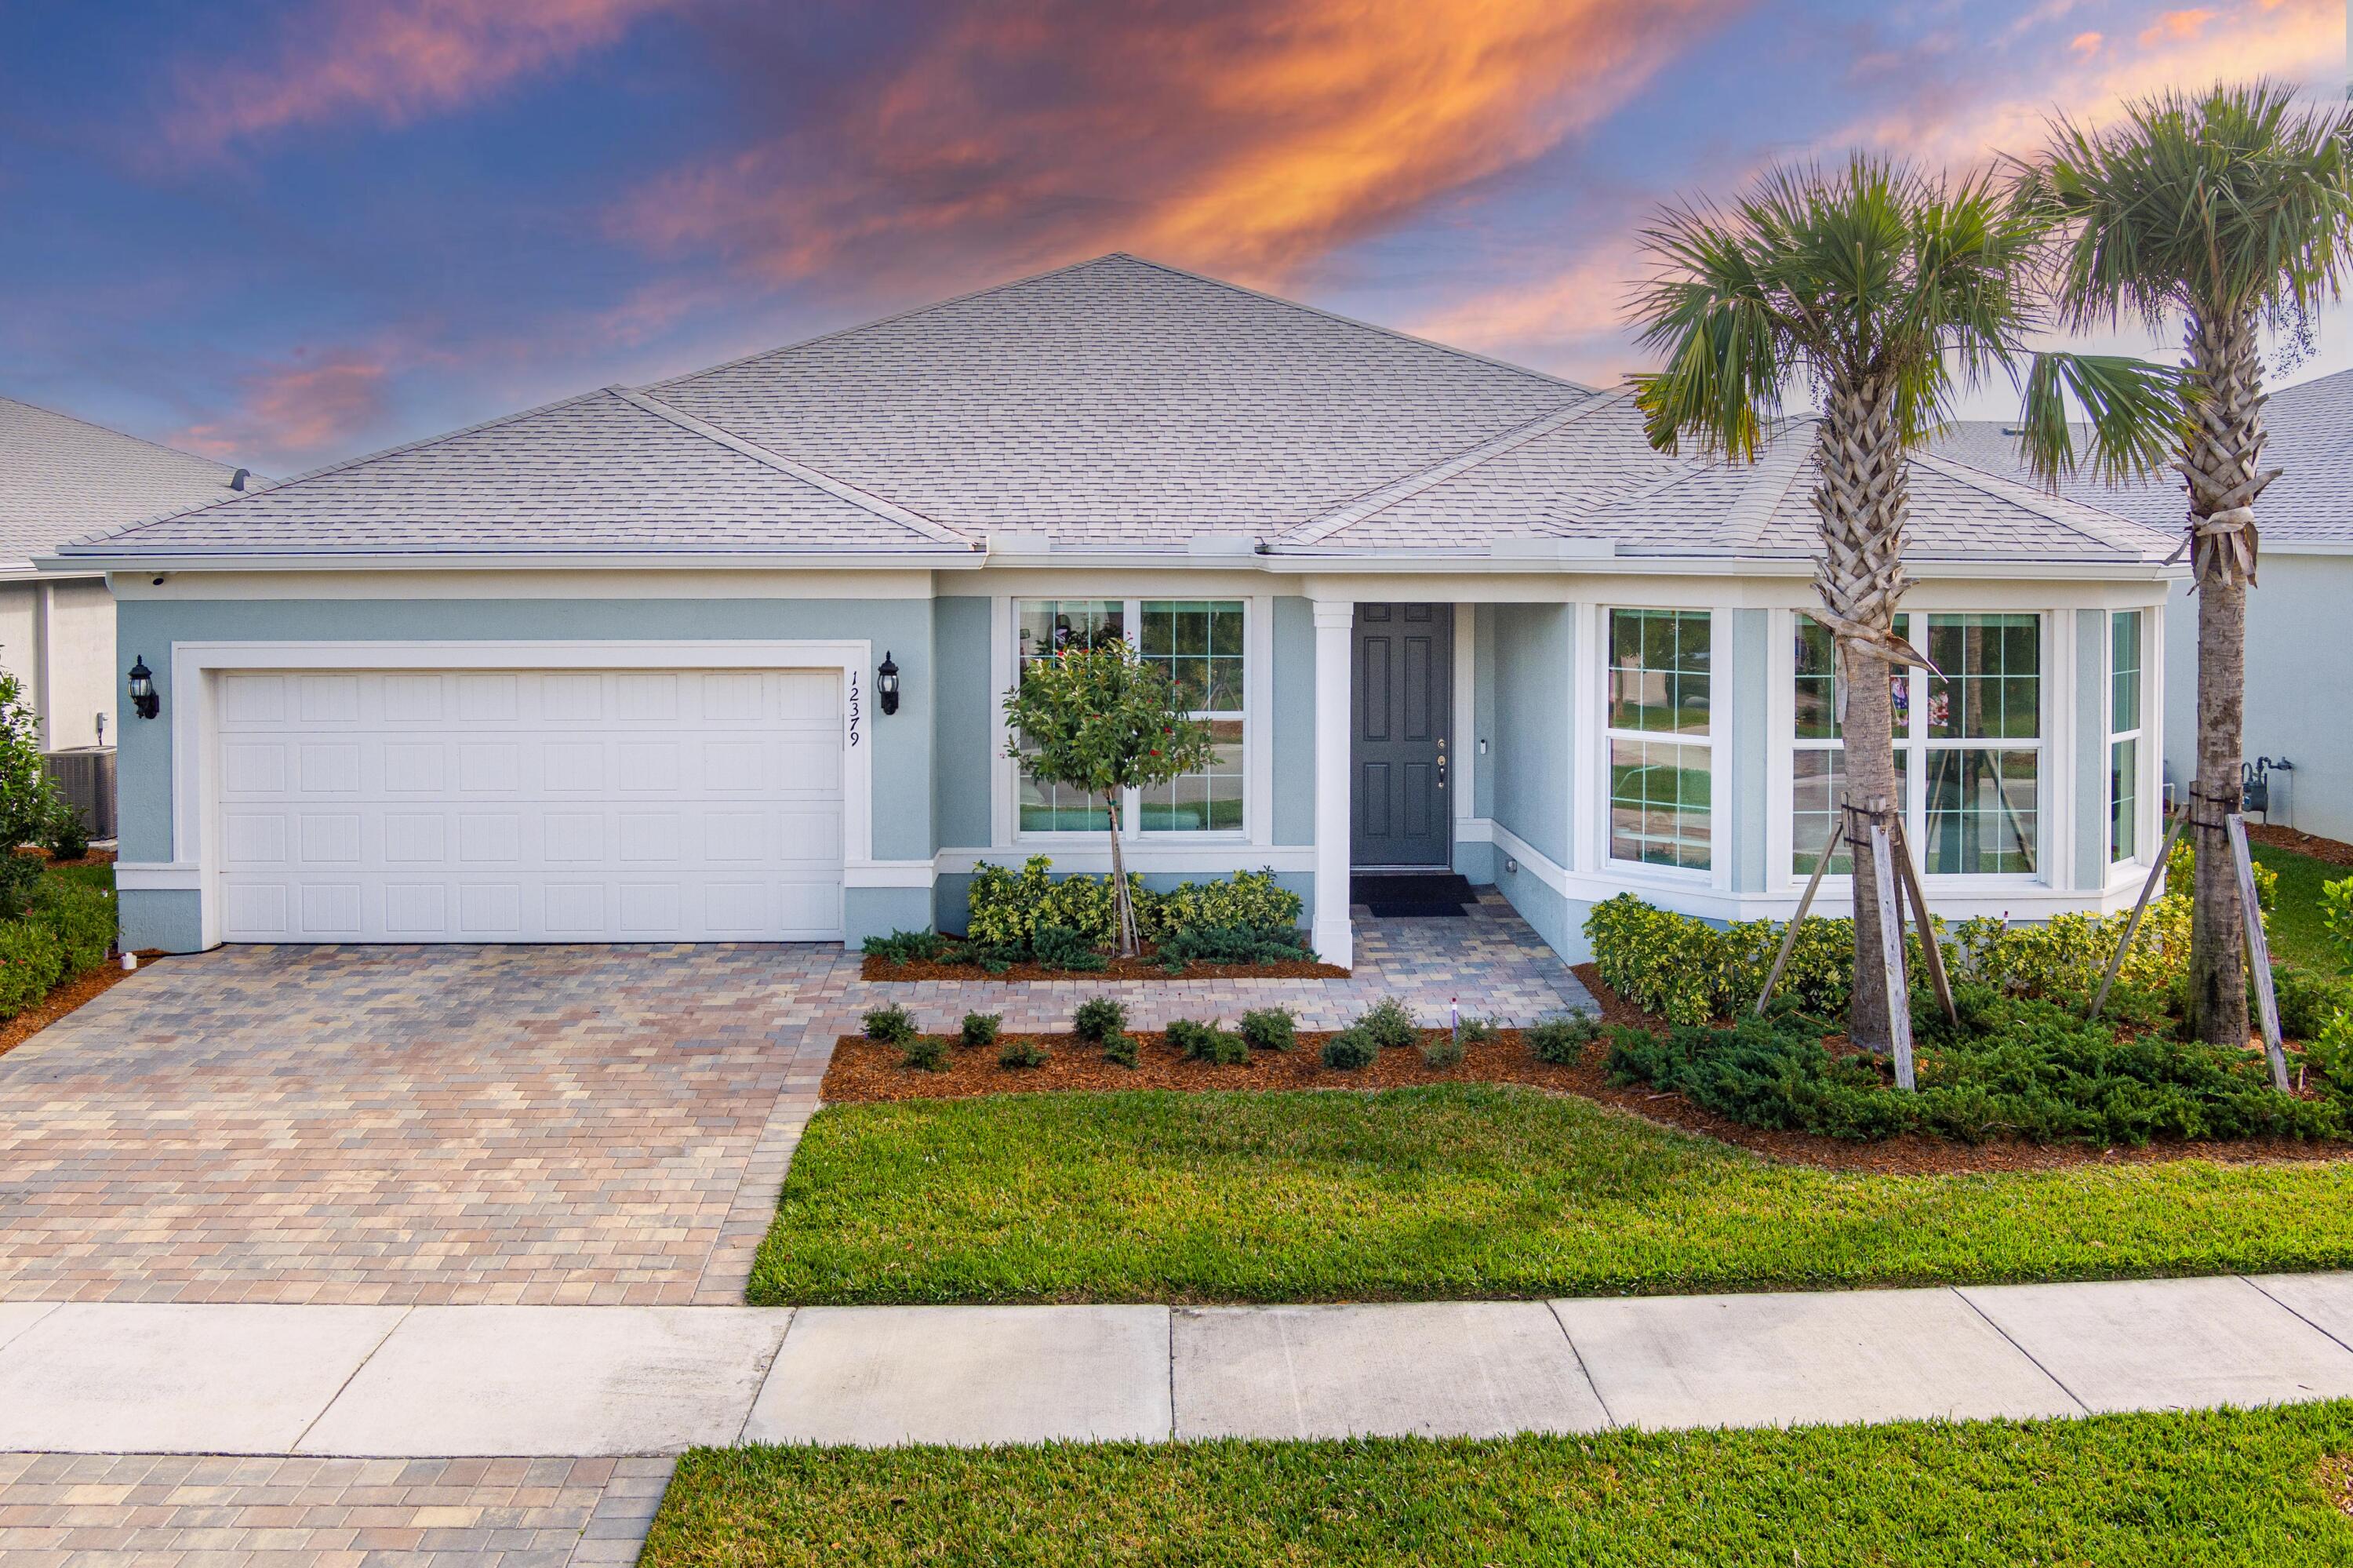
<point x="1442" y="770"/>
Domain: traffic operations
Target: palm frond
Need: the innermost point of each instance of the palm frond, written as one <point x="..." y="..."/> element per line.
<point x="2137" y="414"/>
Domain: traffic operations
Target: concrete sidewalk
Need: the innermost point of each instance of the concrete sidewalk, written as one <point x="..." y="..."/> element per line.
<point x="453" y="1381"/>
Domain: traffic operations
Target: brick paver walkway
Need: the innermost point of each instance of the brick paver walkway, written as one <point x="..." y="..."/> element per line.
<point x="523" y="1124"/>
<point x="148" y="1511"/>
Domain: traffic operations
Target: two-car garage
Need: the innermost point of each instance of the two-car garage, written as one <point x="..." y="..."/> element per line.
<point x="522" y="804"/>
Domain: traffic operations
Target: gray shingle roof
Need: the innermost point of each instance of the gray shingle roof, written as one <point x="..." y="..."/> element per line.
<point x="2311" y="425"/>
<point x="602" y="473"/>
<point x="1116" y="403"/>
<point x="1594" y="476"/>
<point x="1119" y="402"/>
<point x="61" y="478"/>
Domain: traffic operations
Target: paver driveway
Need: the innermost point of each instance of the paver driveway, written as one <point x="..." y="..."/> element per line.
<point x="413" y="1125"/>
<point x="519" y="1123"/>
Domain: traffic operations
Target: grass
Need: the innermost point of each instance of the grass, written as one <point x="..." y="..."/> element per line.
<point x="1451" y="1192"/>
<point x="2294" y="927"/>
<point x="2237" y="1487"/>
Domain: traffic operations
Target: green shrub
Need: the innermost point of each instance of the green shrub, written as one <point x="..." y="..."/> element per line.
<point x="1246" y="901"/>
<point x="892" y="1025"/>
<point x="1562" y="1041"/>
<point x="906" y="947"/>
<point x="1231" y="945"/>
<point x="1444" y="1050"/>
<point x="1388" y="1025"/>
<point x="1120" y="1050"/>
<point x="1479" y="1030"/>
<point x="31" y="963"/>
<point x="927" y="1053"/>
<point x="1664" y="963"/>
<point x="82" y="920"/>
<point x="1099" y="1018"/>
<point x="1062" y="948"/>
<point x="1271" y="1028"/>
<point x="1022" y="1051"/>
<point x="20" y="878"/>
<point x="1350" y="1049"/>
<point x="979" y="1029"/>
<point x="1006" y="907"/>
<point x="2308" y="1002"/>
<point x="2182" y="876"/>
<point x="2040" y="1072"/>
<point x="1197" y="1041"/>
<point x="68" y="834"/>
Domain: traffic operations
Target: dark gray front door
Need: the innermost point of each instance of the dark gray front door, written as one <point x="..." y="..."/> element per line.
<point x="1404" y="714"/>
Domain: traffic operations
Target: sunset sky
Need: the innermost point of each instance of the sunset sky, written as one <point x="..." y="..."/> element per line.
<point x="290" y="233"/>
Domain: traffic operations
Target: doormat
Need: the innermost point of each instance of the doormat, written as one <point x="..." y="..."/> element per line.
<point x="1392" y="895"/>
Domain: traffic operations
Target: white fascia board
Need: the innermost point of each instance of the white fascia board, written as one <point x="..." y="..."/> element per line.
<point x="649" y="561"/>
<point x="2307" y="548"/>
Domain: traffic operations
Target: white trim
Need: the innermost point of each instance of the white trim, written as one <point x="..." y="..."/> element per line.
<point x="1717" y="874"/>
<point x="1093" y="856"/>
<point x="888" y="873"/>
<point x="157" y="876"/>
<point x="1332" y="932"/>
<point x="1464" y="742"/>
<point x="194" y="700"/>
<point x="1588" y="820"/>
<point x="1531" y="860"/>
<point x="1258" y="698"/>
<point x="1004" y="783"/>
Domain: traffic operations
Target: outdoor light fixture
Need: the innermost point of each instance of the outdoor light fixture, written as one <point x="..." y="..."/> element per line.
<point x="886" y="683"/>
<point x="143" y="700"/>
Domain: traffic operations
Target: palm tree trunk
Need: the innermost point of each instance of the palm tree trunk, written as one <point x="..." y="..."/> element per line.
<point x="1861" y="500"/>
<point x="2219" y="460"/>
<point x="1123" y="910"/>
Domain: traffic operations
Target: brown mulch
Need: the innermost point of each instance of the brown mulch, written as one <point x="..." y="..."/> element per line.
<point x="2335" y="852"/>
<point x="865" y="1072"/>
<point x="64" y="1000"/>
<point x="1141" y="968"/>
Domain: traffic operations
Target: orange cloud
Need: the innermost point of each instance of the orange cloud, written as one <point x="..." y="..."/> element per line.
<point x="2174" y="25"/>
<point x="1240" y="137"/>
<point x="2085" y="43"/>
<point x="395" y="60"/>
<point x="303" y="404"/>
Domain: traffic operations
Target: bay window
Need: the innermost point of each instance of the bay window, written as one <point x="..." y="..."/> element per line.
<point x="1201" y="646"/>
<point x="2124" y="735"/>
<point x="1659" y="735"/>
<point x="1968" y="746"/>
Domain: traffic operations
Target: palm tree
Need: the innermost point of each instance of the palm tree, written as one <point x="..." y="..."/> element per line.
<point x="2231" y="213"/>
<point x="1891" y="292"/>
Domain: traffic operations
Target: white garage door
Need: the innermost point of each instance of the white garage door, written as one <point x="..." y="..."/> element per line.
<point x="531" y="806"/>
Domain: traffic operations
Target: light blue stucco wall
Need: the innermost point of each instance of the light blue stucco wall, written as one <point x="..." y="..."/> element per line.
<point x="964" y="730"/>
<point x="2091" y="867"/>
<point x="2299" y="669"/>
<point x="1476" y="862"/>
<point x="902" y="742"/>
<point x="1745" y="761"/>
<point x="1534" y="716"/>
<point x="1293" y="721"/>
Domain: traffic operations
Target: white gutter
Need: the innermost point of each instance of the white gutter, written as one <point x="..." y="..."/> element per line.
<point x="650" y="561"/>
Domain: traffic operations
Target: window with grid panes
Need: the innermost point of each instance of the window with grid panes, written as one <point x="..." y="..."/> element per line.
<point x="1045" y="627"/>
<point x="1981" y="746"/>
<point x="1659" y="736"/>
<point x="2123" y="734"/>
<point x="1818" y="752"/>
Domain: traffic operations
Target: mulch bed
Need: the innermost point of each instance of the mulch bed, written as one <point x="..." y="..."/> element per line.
<point x="1142" y="968"/>
<point x="64" y="1000"/>
<point x="2330" y="849"/>
<point x="865" y="1072"/>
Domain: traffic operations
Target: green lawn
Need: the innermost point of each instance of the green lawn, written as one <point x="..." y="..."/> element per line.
<point x="1456" y="1190"/>
<point x="2235" y="1487"/>
<point x="2293" y="927"/>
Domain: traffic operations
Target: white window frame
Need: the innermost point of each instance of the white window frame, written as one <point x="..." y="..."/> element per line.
<point x="1912" y="753"/>
<point x="1718" y="869"/>
<point x="2137" y="853"/>
<point x="1257" y="795"/>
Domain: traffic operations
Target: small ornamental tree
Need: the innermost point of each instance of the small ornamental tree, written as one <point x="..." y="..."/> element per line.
<point x="1101" y="721"/>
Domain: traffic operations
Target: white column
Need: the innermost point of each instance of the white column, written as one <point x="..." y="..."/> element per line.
<point x="1334" y="939"/>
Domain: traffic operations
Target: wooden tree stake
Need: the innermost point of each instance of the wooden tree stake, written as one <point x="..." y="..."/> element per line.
<point x="2147" y="891"/>
<point x="1891" y="944"/>
<point x="1804" y="901"/>
<point x="2259" y="948"/>
<point x="1932" y="957"/>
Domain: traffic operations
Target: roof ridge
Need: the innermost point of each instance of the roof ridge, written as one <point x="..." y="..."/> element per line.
<point x="884" y="320"/>
<point x="1750" y="516"/>
<point x="1389" y="332"/>
<point x="1378" y="499"/>
<point x="2042" y="503"/>
<point x="127" y="435"/>
<point x="841" y="489"/>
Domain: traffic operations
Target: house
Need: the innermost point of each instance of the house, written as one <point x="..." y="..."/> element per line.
<point x="61" y="478"/>
<point x="2299" y="661"/>
<point x="610" y="669"/>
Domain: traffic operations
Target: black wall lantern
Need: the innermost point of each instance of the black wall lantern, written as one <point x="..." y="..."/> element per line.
<point x="886" y="683"/>
<point x="143" y="700"/>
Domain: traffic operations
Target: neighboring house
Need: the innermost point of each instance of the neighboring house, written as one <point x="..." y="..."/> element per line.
<point x="608" y="670"/>
<point x="2299" y="646"/>
<point x="60" y="479"/>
